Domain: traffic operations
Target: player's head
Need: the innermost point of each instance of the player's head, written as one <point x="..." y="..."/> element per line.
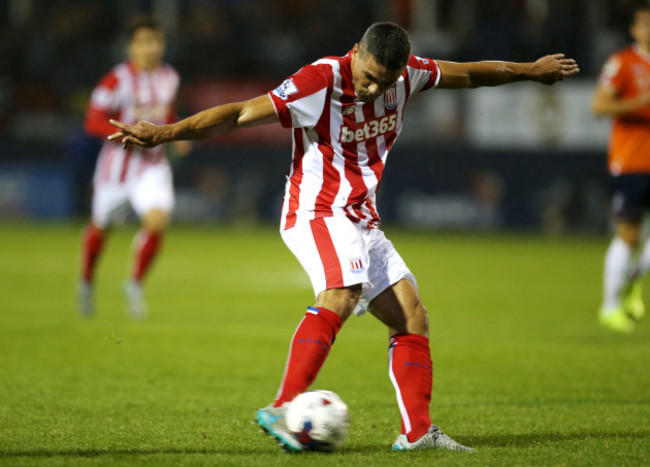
<point x="146" y="42"/>
<point x="379" y="59"/>
<point x="640" y="25"/>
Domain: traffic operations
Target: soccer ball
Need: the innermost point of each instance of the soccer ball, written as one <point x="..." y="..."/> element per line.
<point x="319" y="420"/>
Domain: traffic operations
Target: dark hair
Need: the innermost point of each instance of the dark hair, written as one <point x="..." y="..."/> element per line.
<point x="639" y="6"/>
<point x="141" y="22"/>
<point x="388" y="43"/>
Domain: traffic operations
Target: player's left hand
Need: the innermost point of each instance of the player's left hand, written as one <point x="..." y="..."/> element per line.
<point x="553" y="68"/>
<point x="143" y="134"/>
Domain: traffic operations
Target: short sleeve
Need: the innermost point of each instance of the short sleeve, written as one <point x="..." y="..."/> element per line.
<point x="105" y="95"/>
<point x="612" y="73"/>
<point x="103" y="104"/>
<point x="300" y="99"/>
<point x="423" y="73"/>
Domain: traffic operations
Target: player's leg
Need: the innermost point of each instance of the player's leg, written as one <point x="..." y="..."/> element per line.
<point x="394" y="300"/>
<point x="152" y="197"/>
<point x="628" y="195"/>
<point x="332" y="253"/>
<point x="106" y="204"/>
<point x="92" y="244"/>
<point x="148" y="241"/>
<point x="410" y="366"/>
<point x="633" y="294"/>
<point x="313" y="339"/>
<point x="310" y="346"/>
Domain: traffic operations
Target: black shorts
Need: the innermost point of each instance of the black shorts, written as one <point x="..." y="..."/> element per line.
<point x="630" y="196"/>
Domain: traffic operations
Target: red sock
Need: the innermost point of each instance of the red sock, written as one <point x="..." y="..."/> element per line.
<point x="309" y="348"/>
<point x="411" y="372"/>
<point x="147" y="244"/>
<point x="92" y="243"/>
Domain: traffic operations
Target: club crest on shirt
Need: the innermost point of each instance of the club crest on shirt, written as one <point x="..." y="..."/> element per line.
<point x="348" y="109"/>
<point x="611" y="68"/>
<point x="356" y="265"/>
<point x="390" y="98"/>
<point x="285" y="89"/>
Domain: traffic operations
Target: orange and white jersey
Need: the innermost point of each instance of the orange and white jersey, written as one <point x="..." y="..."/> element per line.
<point x="130" y="95"/>
<point x="340" y="144"/>
<point x="627" y="72"/>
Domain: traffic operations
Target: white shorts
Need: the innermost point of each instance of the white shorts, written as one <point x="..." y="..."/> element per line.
<point x="153" y="189"/>
<point x="336" y="253"/>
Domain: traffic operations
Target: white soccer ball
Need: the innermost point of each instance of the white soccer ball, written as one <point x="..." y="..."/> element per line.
<point x="319" y="420"/>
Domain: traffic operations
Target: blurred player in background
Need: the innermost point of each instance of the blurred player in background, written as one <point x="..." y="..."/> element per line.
<point x="623" y="92"/>
<point x="345" y="114"/>
<point x="141" y="88"/>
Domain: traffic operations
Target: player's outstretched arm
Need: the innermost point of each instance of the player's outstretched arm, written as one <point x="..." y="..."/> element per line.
<point x="547" y="70"/>
<point x="215" y="121"/>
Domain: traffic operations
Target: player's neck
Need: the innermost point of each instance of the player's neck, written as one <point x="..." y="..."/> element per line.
<point x="143" y="67"/>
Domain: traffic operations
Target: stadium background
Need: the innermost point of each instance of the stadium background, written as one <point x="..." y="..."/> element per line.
<point x="521" y="157"/>
<point x="523" y="372"/>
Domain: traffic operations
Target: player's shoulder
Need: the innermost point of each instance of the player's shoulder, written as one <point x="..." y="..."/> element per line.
<point x="415" y="61"/>
<point x="310" y="79"/>
<point x="168" y="68"/>
<point x="169" y="74"/>
<point x="324" y="67"/>
<point x="111" y="79"/>
<point x="624" y="55"/>
<point x="331" y="61"/>
<point x="318" y="73"/>
<point x="619" y="61"/>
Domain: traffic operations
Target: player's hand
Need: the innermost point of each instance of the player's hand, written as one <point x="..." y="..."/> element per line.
<point x="553" y="68"/>
<point x="644" y="99"/>
<point x="142" y="134"/>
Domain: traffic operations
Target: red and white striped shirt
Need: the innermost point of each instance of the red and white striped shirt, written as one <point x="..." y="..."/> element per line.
<point x="340" y="144"/>
<point x="129" y="95"/>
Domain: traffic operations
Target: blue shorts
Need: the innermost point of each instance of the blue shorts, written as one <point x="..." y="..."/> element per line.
<point x="630" y="196"/>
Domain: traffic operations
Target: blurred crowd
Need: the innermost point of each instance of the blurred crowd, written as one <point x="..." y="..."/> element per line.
<point x="54" y="51"/>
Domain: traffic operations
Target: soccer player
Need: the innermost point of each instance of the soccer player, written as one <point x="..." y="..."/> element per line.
<point x="623" y="92"/>
<point x="141" y="88"/>
<point x="345" y="114"/>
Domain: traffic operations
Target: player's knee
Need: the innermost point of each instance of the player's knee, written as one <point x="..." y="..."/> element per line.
<point x="413" y="320"/>
<point x="96" y="228"/>
<point x="418" y="320"/>
<point x="156" y="221"/>
<point x="340" y="301"/>
<point x="629" y="232"/>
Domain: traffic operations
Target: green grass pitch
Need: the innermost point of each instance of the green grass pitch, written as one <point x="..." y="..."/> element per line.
<point x="522" y="371"/>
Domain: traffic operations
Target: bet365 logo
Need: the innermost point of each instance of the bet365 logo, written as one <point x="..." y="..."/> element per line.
<point x="370" y="129"/>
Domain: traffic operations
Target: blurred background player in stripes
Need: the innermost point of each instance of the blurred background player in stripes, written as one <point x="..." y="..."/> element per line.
<point x="141" y="88"/>
<point x="623" y="93"/>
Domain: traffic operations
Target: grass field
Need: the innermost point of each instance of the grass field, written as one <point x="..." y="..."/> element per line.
<point x="522" y="371"/>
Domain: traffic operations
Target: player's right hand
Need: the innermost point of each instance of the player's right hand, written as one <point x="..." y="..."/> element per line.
<point x="143" y="134"/>
<point x="553" y="68"/>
